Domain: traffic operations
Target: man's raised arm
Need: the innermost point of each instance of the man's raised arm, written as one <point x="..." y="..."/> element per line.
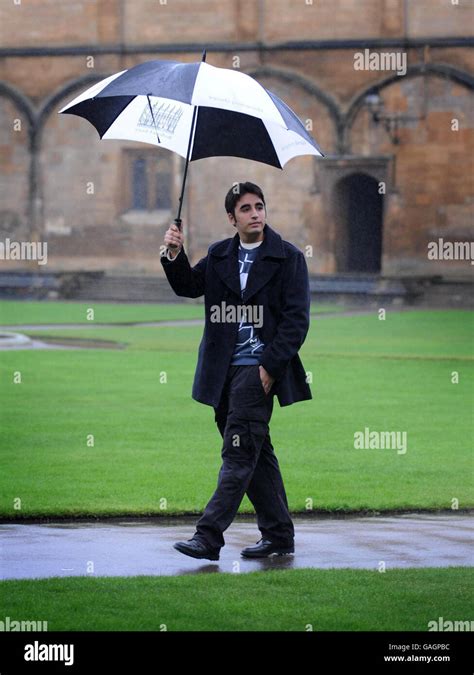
<point x="186" y="281"/>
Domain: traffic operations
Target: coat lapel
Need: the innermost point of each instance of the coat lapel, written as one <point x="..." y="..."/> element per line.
<point x="260" y="273"/>
<point x="227" y="264"/>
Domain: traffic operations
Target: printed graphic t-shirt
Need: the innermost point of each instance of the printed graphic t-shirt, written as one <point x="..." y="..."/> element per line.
<point x="248" y="345"/>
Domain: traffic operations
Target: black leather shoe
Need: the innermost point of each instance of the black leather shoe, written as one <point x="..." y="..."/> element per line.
<point x="265" y="548"/>
<point x="196" y="549"/>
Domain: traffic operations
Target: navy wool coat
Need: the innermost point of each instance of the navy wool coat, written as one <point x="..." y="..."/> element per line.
<point x="278" y="283"/>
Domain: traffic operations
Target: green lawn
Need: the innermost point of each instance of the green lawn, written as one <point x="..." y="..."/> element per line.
<point x="287" y="600"/>
<point x="46" y="312"/>
<point x="151" y="441"/>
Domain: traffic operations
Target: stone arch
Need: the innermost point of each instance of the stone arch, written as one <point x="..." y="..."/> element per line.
<point x="441" y="70"/>
<point x="49" y="104"/>
<point x="20" y="189"/>
<point x="21" y="101"/>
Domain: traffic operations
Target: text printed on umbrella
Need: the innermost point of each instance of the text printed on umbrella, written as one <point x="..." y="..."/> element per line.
<point x="166" y="115"/>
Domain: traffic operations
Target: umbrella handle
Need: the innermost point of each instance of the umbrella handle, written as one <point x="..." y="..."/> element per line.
<point x="177" y="222"/>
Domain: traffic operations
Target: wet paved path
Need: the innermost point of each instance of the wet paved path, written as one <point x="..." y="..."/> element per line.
<point x="130" y="548"/>
<point x="171" y="322"/>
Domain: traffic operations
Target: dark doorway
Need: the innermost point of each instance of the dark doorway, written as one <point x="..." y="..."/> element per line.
<point x="359" y="213"/>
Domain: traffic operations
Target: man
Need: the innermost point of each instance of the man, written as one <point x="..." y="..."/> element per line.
<point x="257" y="299"/>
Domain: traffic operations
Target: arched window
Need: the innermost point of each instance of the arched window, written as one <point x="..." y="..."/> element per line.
<point x="148" y="180"/>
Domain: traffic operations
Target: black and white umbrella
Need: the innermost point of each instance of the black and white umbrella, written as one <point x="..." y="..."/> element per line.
<point x="197" y="111"/>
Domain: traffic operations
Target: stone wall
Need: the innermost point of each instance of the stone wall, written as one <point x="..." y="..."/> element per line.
<point x="68" y="188"/>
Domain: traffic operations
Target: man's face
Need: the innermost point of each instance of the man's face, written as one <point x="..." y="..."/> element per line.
<point x="249" y="217"/>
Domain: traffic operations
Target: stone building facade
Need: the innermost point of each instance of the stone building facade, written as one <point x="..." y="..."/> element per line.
<point x="384" y="86"/>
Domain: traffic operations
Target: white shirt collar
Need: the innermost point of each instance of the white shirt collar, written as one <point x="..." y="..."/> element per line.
<point x="254" y="245"/>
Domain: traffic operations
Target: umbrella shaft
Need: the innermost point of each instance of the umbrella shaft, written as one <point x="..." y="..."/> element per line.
<point x="188" y="153"/>
<point x="177" y="220"/>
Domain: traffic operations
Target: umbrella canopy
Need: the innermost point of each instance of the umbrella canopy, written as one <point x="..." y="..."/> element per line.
<point x="197" y="111"/>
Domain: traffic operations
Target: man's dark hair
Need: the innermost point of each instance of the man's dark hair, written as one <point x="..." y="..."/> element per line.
<point x="235" y="193"/>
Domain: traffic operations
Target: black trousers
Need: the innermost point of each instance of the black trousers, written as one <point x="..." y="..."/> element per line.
<point x="249" y="465"/>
